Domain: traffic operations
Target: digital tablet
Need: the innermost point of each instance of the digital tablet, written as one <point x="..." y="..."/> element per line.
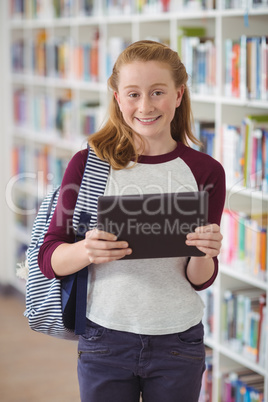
<point x="154" y="225"/>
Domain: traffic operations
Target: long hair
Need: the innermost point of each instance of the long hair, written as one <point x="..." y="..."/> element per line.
<point x="114" y="141"/>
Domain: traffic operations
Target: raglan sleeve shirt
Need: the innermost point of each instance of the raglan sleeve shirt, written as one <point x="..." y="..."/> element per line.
<point x="208" y="174"/>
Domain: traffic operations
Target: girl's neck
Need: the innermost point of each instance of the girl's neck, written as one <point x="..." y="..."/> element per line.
<point x="153" y="148"/>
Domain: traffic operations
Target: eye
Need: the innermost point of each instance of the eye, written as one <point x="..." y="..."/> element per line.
<point x="133" y="95"/>
<point x="157" y="93"/>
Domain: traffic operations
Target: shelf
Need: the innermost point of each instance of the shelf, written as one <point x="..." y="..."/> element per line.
<point x="52" y="139"/>
<point x="225" y="350"/>
<point x="34" y="80"/>
<point x="248" y="192"/>
<point x="179" y="15"/>
<point x="238" y="273"/>
<point x="251" y="103"/>
<point x="262" y="11"/>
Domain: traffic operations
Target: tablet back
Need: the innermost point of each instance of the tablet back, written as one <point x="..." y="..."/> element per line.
<point x="154" y="225"/>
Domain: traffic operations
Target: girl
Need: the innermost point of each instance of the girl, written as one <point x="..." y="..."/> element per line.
<point x="144" y="331"/>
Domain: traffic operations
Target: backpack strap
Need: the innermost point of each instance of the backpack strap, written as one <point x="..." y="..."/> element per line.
<point x="85" y="218"/>
<point x="92" y="186"/>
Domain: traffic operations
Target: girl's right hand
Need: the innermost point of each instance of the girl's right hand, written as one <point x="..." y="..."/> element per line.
<point x="104" y="247"/>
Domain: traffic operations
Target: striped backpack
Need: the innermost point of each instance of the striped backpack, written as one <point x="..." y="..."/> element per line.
<point x="57" y="307"/>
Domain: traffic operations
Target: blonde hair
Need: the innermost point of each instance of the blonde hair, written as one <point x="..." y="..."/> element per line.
<point x="114" y="141"/>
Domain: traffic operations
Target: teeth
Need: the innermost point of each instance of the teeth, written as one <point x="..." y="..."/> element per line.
<point x="148" y="120"/>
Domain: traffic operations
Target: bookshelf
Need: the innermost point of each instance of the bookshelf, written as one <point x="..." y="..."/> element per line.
<point x="60" y="58"/>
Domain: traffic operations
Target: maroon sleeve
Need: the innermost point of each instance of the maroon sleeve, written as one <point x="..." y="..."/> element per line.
<point x="61" y="229"/>
<point x="210" y="176"/>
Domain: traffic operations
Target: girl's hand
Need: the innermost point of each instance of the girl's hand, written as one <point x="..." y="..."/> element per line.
<point x="207" y="239"/>
<point x="103" y="247"/>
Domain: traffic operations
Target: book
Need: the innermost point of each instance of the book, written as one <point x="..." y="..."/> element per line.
<point x="207" y="379"/>
<point x="246" y="61"/>
<point x="205" y="132"/>
<point x="246" y="243"/>
<point x="198" y="53"/>
<point x="89" y="118"/>
<point x="243" y="321"/>
<point x="241" y="385"/>
<point x="244" y="152"/>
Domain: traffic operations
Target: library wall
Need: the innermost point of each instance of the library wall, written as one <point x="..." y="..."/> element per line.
<point x="60" y="56"/>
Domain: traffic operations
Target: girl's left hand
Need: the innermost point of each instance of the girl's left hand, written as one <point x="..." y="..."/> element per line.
<point x="207" y="239"/>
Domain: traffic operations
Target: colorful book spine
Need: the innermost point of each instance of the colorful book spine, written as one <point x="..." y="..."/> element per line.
<point x="245" y="243"/>
<point x="89" y="118"/>
<point x="47" y="167"/>
<point x="86" y="60"/>
<point x="246" y="73"/>
<point x="207" y="379"/>
<point x="152" y="6"/>
<point x="17" y="56"/>
<point x="20" y="107"/>
<point x="242" y="321"/>
<point x="198" y="54"/>
<point x="240" y="4"/>
<point x="244" y="153"/>
<point x="208" y="318"/>
<point x="242" y="385"/>
<point x="119" y="7"/>
<point x="205" y="132"/>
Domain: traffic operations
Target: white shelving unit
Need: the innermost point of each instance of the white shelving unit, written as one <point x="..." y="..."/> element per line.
<point x="220" y="24"/>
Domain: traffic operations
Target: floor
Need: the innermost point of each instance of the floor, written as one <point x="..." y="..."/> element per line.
<point x="33" y="367"/>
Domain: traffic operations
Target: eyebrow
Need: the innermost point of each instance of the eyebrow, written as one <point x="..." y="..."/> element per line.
<point x="153" y="85"/>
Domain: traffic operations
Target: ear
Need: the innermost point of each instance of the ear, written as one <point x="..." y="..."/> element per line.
<point x="116" y="95"/>
<point x="180" y="93"/>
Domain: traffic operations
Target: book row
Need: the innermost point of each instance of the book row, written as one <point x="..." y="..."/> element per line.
<point x="244" y="321"/>
<point x="198" y="53"/>
<point x="246" y="67"/>
<point x="42" y="112"/>
<point x="61" y="9"/>
<point x="38" y="164"/>
<point x="245" y="247"/>
<point x="244" y="153"/>
<point x="240" y="4"/>
<point x="236" y="385"/>
<point x="60" y="57"/>
<point x="246" y="60"/>
<point x="242" y="385"/>
<point x="56" y="57"/>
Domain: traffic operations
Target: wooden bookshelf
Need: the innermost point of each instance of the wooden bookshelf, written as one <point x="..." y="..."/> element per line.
<point x="59" y="97"/>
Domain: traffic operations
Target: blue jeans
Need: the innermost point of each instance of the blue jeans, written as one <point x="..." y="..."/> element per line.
<point x="116" y="366"/>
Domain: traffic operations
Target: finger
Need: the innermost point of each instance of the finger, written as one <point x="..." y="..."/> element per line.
<point x="105" y="244"/>
<point x="212" y="228"/>
<point x="209" y="247"/>
<point x="102" y="256"/>
<point x="213" y="244"/>
<point x="100" y="234"/>
<point x="214" y="236"/>
<point x="209" y="253"/>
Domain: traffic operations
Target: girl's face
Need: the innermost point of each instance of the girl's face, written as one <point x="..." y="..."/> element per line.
<point x="148" y="98"/>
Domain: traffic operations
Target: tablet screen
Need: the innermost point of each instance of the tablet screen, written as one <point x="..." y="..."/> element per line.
<point x="154" y="225"/>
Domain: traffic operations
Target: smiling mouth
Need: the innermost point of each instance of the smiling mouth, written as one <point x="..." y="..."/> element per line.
<point x="148" y="120"/>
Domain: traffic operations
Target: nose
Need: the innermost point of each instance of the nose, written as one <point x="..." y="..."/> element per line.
<point x="146" y="105"/>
